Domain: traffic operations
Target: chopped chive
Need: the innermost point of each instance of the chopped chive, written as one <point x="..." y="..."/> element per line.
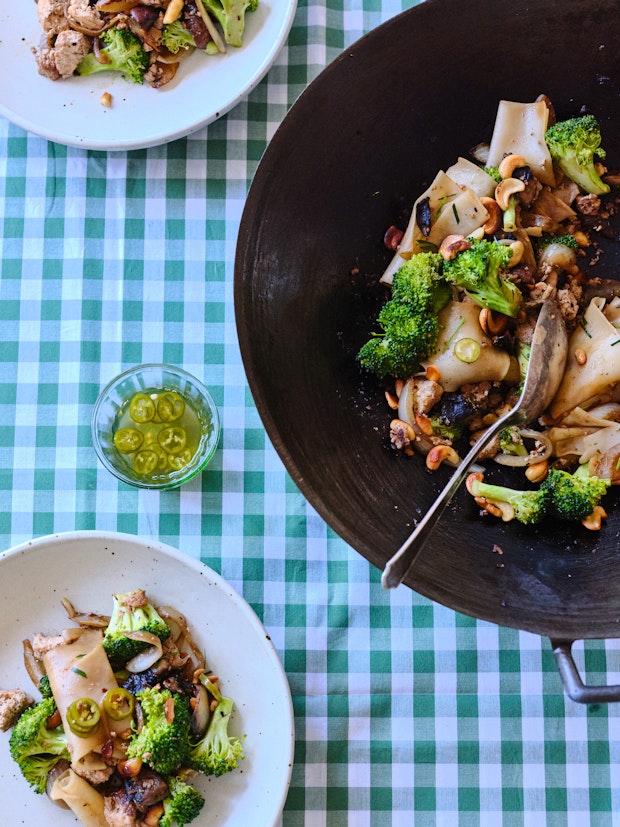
<point x="427" y="246"/>
<point x="449" y="342"/>
<point x="613" y="344"/>
<point x="79" y="672"/>
<point x="456" y="214"/>
<point x="584" y="324"/>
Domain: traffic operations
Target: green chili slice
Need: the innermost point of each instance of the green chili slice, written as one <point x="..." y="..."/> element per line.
<point x="83" y="717"/>
<point x="172" y="439"/>
<point x="178" y="461"/>
<point x="145" y="462"/>
<point x="118" y="703"/>
<point x="170" y="406"/>
<point x="467" y="350"/>
<point x="141" y="408"/>
<point x="128" y="440"/>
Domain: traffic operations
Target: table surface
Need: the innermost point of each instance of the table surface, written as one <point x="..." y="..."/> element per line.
<point x="406" y="712"/>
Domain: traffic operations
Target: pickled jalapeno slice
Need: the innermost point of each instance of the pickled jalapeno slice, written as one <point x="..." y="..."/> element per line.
<point x="178" y="461"/>
<point x="128" y="440"/>
<point x="118" y="703"/>
<point x="172" y="439"/>
<point x="83" y="717"/>
<point x="145" y="461"/>
<point x="170" y="406"/>
<point x="141" y="408"/>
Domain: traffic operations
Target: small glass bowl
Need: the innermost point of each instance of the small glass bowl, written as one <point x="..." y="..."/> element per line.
<point x="113" y="402"/>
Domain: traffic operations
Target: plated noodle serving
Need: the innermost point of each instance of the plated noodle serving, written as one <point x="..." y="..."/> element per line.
<point x="143" y="41"/>
<point x="490" y="240"/>
<point x="129" y="714"/>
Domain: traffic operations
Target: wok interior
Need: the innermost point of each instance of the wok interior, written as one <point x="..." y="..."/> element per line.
<point x="346" y="163"/>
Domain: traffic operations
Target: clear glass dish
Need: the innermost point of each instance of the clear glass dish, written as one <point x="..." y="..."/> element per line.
<point x="152" y="382"/>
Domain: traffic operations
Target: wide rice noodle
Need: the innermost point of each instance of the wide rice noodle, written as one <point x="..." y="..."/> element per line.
<point x="80" y="797"/>
<point x="82" y="670"/>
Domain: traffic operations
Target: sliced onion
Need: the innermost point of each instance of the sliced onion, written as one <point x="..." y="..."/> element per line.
<point x="607" y="467"/>
<point x="34" y="667"/>
<point x="174" y="620"/>
<point x="211" y="27"/>
<point x="149" y="656"/>
<point x="85" y="618"/>
<point x="531" y="458"/>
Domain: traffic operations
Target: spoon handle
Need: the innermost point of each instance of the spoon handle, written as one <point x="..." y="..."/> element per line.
<point x="398" y="566"/>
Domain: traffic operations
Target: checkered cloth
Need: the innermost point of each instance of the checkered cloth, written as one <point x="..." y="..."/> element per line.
<point x="406" y="713"/>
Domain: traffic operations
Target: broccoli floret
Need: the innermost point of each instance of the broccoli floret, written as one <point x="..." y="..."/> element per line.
<point x="409" y="321"/>
<point x="230" y="14"/>
<point x="182" y="804"/>
<point x="35" y="748"/>
<point x="217" y="752"/>
<point x="547" y="238"/>
<point x="529" y="506"/>
<point x="125" y="53"/>
<point x="494" y="173"/>
<point x="175" y="36"/>
<point x="44" y="687"/>
<point x="573" y="145"/>
<point x="447" y="430"/>
<point x="511" y="442"/>
<point x="164" y="740"/>
<point x="131" y="612"/>
<point x="574" y="496"/>
<point x="479" y="272"/>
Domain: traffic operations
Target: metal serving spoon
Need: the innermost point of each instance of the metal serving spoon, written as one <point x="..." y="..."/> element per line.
<point x="542" y="380"/>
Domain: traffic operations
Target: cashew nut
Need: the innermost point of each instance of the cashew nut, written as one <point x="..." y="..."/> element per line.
<point x="593" y="521"/>
<point x="475" y="476"/>
<point x="505" y="189"/>
<point x="509" y="163"/>
<point x="517" y="253"/>
<point x="453" y="244"/>
<point x="439" y="454"/>
<point x="537" y="471"/>
<point x="424" y="424"/>
<point x="492" y="323"/>
<point x="494" y="221"/>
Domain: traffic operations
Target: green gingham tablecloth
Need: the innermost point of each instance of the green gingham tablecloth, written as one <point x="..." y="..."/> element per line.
<point x="406" y="713"/>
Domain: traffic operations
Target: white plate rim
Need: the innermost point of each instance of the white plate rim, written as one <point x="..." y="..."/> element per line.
<point x="211" y="578"/>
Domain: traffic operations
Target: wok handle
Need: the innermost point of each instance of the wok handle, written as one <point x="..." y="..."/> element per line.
<point x="573" y="685"/>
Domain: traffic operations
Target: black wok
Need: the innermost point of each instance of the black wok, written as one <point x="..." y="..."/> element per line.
<point x="347" y="162"/>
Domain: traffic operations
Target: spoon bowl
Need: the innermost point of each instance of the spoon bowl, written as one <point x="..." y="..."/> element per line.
<point x="544" y="374"/>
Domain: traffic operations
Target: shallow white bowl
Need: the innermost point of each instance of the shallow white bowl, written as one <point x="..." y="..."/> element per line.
<point x="89" y="567"/>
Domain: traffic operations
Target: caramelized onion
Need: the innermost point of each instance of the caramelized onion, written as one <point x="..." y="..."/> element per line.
<point x="34" y="668"/>
<point x="530" y="458"/>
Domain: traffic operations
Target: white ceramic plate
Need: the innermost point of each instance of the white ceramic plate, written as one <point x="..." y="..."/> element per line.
<point x="69" y="112"/>
<point x="88" y="567"/>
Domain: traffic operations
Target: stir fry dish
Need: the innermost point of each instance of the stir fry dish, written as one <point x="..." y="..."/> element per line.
<point x="490" y="240"/>
<point x="129" y="714"/>
<point x="144" y="41"/>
